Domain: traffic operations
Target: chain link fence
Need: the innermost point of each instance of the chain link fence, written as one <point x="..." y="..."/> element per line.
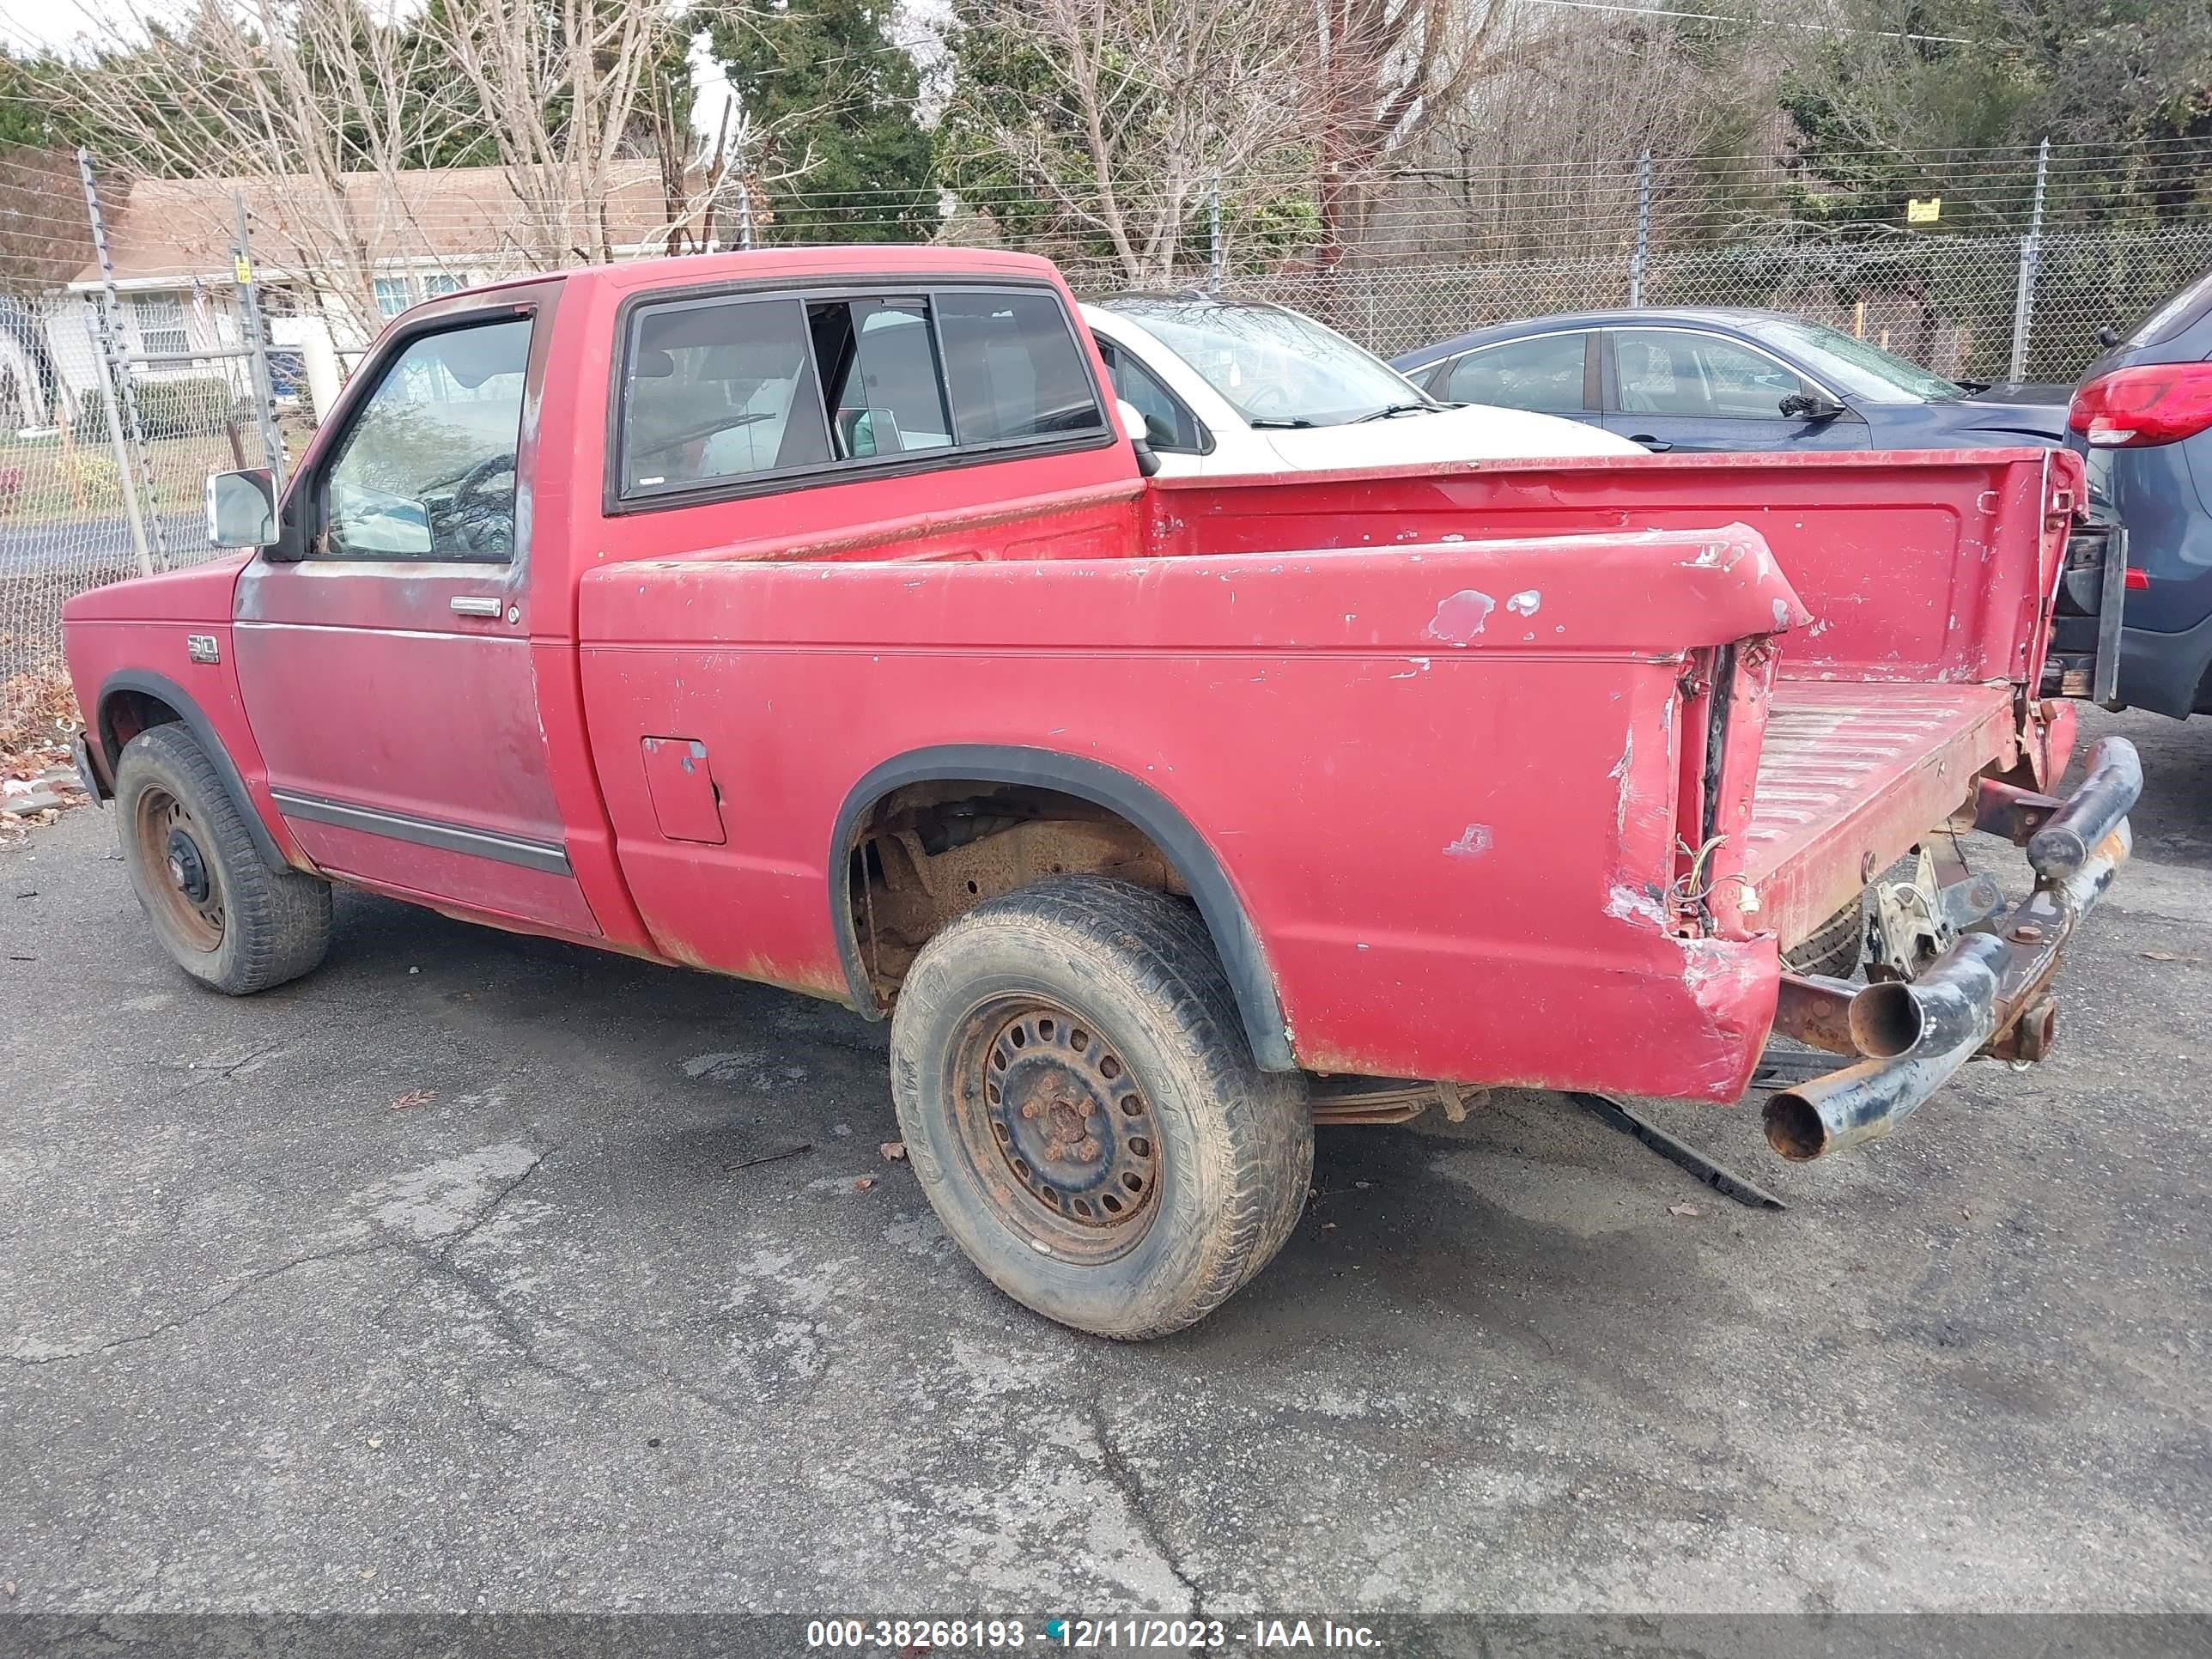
<point x="95" y="487"/>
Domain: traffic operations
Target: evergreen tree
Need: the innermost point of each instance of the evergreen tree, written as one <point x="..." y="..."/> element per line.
<point x="841" y="157"/>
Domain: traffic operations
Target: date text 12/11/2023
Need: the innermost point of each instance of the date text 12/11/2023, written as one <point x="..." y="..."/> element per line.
<point x="917" y="1636"/>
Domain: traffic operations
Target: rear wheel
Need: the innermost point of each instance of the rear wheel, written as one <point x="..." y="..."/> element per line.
<point x="1082" y="1109"/>
<point x="223" y="915"/>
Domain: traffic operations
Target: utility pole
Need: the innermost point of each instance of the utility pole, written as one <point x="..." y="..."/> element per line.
<point x="122" y="408"/>
<point x="2031" y="254"/>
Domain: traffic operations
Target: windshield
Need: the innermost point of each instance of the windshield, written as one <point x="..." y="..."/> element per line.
<point x="1274" y="367"/>
<point x="1851" y="365"/>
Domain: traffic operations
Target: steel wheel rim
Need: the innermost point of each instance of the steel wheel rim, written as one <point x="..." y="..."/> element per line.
<point x="181" y="876"/>
<point x="1058" y="1130"/>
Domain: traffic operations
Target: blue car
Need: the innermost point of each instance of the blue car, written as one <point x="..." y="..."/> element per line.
<point x="2143" y="418"/>
<point x="1698" y="379"/>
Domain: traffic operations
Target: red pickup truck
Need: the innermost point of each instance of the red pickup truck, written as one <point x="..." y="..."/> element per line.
<point x="812" y="616"/>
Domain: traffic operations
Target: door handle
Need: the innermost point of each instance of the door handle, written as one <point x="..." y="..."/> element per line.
<point x="475" y="604"/>
<point x="1656" y="446"/>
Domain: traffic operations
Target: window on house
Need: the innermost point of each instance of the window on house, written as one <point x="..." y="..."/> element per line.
<point x="160" y="321"/>
<point x="434" y="286"/>
<point x="718" y="390"/>
<point x="394" y="294"/>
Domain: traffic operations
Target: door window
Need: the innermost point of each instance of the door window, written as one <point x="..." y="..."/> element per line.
<point x="1676" y="371"/>
<point x="719" y="389"/>
<point x="1168" y="426"/>
<point x="879" y="367"/>
<point x="1014" y="369"/>
<point x="1543" y="375"/>
<point x="427" y="469"/>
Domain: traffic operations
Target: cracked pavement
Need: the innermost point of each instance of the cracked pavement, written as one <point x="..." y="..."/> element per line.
<point x="466" y="1273"/>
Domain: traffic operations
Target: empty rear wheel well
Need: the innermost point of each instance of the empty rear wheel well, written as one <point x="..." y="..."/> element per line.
<point x="927" y="837"/>
<point x="124" y="714"/>
<point x="928" y="854"/>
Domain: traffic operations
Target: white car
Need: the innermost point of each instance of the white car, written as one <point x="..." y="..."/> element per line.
<point x="1226" y="387"/>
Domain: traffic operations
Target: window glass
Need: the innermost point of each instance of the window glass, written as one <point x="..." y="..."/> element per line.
<point x="1168" y="424"/>
<point x="1273" y="366"/>
<point x="160" y="325"/>
<point x="1675" y="371"/>
<point x="394" y="294"/>
<point x="718" y="391"/>
<point x="1014" y="367"/>
<point x="1855" y="367"/>
<point x="1544" y="374"/>
<point x="428" y="469"/>
<point x="434" y="286"/>
<point x="878" y="366"/>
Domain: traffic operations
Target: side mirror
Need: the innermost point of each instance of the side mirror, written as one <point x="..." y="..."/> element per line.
<point x="241" y="508"/>
<point x="1133" y="425"/>
<point x="2108" y="337"/>
<point x="1804" y="406"/>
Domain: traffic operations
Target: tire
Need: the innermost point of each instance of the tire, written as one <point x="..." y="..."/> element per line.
<point x="224" y="916"/>
<point x="1160" y="1169"/>
<point x="1835" y="947"/>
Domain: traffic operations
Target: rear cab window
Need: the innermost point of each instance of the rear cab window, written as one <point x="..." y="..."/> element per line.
<point x="732" y="394"/>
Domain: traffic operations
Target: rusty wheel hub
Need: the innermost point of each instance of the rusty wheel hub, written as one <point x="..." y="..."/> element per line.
<point x="170" y="844"/>
<point x="1049" y="1103"/>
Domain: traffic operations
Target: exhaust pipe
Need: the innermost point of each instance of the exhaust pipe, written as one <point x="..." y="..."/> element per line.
<point x="1918" y="1035"/>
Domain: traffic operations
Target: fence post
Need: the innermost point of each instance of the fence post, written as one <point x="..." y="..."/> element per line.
<point x="1640" y="261"/>
<point x="249" y="305"/>
<point x="1216" y="258"/>
<point x="2031" y="254"/>
<point x="117" y="388"/>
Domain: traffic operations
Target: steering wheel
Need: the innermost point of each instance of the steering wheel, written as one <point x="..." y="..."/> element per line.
<point x="1266" y="399"/>
<point x="470" y="486"/>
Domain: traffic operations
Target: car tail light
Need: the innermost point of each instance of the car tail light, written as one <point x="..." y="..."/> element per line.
<point x="2136" y="407"/>
<point x="2137" y="581"/>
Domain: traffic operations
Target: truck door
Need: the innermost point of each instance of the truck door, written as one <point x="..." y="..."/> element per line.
<point x="384" y="651"/>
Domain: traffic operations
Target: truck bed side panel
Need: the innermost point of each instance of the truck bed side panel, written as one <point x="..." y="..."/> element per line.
<point x="1916" y="565"/>
<point x="1442" y="779"/>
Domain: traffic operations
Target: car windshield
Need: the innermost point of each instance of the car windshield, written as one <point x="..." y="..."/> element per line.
<point x="1273" y="367"/>
<point x="1848" y="365"/>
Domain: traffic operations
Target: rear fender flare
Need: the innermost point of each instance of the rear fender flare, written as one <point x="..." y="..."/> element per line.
<point x="164" y="690"/>
<point x="1235" y="939"/>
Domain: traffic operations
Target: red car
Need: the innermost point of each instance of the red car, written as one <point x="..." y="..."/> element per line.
<point x="808" y="617"/>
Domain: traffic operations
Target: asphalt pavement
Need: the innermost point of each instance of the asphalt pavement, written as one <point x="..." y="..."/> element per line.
<point x="480" y="1272"/>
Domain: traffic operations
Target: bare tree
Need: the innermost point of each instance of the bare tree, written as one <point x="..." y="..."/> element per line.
<point x="327" y="112"/>
<point x="563" y="85"/>
<point x="1126" y="113"/>
<point x="1387" y="74"/>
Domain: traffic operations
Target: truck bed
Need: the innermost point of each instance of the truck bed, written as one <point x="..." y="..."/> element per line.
<point x="1854" y="770"/>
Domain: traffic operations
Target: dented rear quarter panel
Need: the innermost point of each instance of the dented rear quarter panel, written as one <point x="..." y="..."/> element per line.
<point x="1441" y="778"/>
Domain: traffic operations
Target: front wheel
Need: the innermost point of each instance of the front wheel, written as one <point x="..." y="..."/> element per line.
<point x="223" y="915"/>
<point x="1083" y="1111"/>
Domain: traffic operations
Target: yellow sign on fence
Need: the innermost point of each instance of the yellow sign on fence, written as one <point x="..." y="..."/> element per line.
<point x="1920" y="211"/>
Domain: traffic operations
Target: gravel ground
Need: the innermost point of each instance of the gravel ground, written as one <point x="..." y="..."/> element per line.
<point x="479" y="1272"/>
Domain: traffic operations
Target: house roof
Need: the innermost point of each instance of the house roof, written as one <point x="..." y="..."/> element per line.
<point x="182" y="228"/>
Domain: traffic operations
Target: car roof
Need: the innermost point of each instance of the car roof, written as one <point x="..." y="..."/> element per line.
<point x="1722" y="317"/>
